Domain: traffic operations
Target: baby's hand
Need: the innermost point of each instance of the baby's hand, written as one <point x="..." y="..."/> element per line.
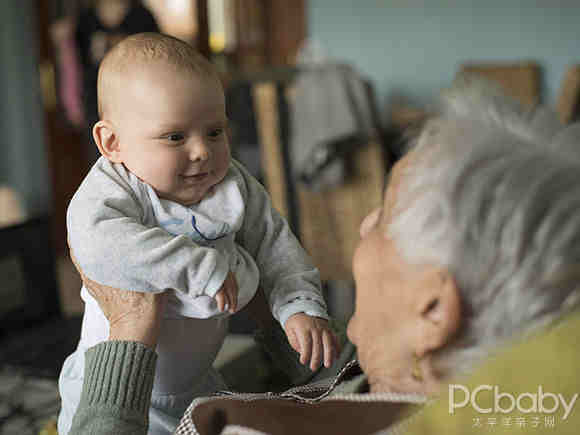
<point x="228" y="294"/>
<point x="312" y="338"/>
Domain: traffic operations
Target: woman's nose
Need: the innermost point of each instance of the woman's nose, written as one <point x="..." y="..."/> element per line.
<point x="351" y="330"/>
<point x="199" y="151"/>
<point x="369" y="222"/>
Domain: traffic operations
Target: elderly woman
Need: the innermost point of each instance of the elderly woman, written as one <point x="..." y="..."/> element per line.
<point x="477" y="244"/>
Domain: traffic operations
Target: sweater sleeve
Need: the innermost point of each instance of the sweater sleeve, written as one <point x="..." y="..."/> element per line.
<point x="117" y="389"/>
<point x="287" y="275"/>
<point x="114" y="247"/>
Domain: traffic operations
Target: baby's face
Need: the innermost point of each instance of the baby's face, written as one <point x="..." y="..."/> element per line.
<point x="172" y="132"/>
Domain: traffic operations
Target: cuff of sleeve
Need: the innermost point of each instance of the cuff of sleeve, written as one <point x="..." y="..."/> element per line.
<point x="309" y="307"/>
<point x="217" y="277"/>
<point x="119" y="374"/>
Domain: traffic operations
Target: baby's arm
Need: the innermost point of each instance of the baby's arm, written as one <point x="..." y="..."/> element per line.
<point x="290" y="281"/>
<point x="227" y="295"/>
<point x="114" y="247"/>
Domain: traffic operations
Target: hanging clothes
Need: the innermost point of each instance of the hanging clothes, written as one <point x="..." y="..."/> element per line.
<point x="331" y="113"/>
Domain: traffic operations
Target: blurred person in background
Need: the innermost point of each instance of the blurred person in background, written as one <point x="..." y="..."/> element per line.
<point x="82" y="41"/>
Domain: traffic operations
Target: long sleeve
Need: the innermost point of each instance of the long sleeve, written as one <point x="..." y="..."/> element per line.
<point x="117" y="389"/>
<point x="290" y="280"/>
<point x="116" y="243"/>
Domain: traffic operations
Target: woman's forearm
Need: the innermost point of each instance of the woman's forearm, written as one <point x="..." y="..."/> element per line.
<point x="117" y="389"/>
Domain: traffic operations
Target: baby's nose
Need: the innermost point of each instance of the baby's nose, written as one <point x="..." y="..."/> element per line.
<point x="199" y="151"/>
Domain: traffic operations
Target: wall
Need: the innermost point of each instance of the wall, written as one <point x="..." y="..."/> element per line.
<point x="23" y="157"/>
<point x="415" y="47"/>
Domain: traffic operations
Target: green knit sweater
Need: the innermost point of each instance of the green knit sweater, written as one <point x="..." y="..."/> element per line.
<point x="117" y="389"/>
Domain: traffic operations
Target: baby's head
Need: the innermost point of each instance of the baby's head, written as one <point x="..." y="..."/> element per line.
<point x="162" y="115"/>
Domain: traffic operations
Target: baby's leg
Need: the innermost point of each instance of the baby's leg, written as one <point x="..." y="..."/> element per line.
<point x="168" y="409"/>
<point x="70" y="385"/>
<point x="259" y="311"/>
<point x="274" y="341"/>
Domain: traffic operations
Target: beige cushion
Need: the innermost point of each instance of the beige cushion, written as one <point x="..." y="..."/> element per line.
<point x="11" y="209"/>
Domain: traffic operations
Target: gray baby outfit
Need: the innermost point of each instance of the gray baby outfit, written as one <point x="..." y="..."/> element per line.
<point x="123" y="235"/>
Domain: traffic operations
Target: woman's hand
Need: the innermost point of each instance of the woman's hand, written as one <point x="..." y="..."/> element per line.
<point x="132" y="315"/>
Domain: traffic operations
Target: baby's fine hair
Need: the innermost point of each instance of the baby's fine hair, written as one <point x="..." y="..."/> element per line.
<point x="136" y="51"/>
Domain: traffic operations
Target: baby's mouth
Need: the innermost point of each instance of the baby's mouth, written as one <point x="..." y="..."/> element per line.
<point x="200" y="176"/>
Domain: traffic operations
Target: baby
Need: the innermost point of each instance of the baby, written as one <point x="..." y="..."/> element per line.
<point x="166" y="209"/>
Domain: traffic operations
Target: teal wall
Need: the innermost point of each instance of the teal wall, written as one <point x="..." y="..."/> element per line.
<point x="23" y="154"/>
<point x="415" y="47"/>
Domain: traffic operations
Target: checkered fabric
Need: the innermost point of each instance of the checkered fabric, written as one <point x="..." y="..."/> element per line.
<point x="307" y="394"/>
<point x="310" y="393"/>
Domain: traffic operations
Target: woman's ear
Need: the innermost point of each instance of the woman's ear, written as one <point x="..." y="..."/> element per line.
<point x="107" y="141"/>
<point x="438" y="311"/>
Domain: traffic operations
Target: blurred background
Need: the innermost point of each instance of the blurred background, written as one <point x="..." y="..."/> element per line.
<point x="320" y="93"/>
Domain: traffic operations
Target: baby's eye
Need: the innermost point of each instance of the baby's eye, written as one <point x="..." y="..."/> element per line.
<point x="215" y="133"/>
<point x="175" y="137"/>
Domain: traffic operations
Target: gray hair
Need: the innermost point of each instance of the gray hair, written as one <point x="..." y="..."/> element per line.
<point x="494" y="197"/>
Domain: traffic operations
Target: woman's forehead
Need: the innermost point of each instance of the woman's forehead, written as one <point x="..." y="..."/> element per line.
<point x="394" y="180"/>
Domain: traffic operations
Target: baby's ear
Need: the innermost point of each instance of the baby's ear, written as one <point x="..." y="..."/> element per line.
<point x="107" y="141"/>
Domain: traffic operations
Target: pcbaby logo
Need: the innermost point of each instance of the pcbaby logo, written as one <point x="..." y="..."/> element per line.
<point x="539" y="402"/>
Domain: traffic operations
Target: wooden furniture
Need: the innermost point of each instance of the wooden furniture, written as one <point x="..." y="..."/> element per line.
<point x="34" y="334"/>
<point x="328" y="222"/>
<point x="29" y="287"/>
<point x="568" y="102"/>
<point x="519" y="80"/>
